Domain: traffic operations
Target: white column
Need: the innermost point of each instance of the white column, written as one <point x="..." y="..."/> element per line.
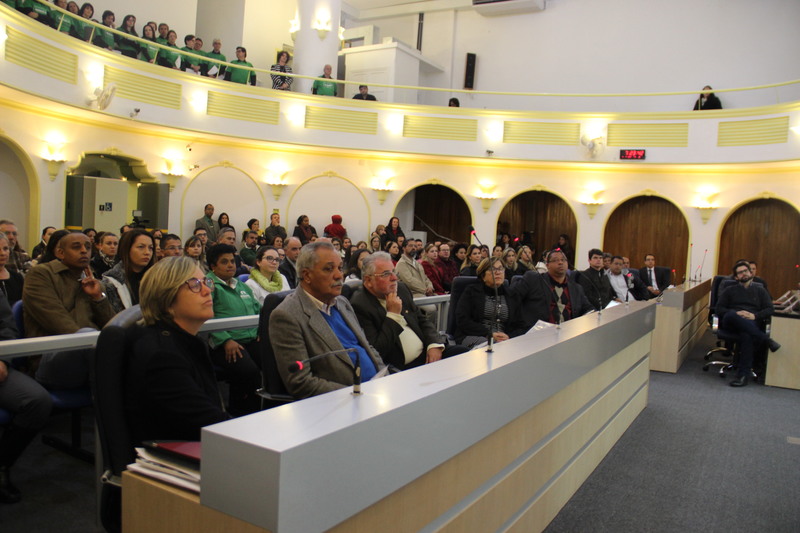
<point x="315" y="49"/>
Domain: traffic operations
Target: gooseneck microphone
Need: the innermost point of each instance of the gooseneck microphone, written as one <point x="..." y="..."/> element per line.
<point x="698" y="275"/>
<point x="474" y="234"/>
<point x="299" y="365"/>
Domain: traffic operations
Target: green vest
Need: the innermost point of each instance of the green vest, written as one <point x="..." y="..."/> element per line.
<point x="239" y="75"/>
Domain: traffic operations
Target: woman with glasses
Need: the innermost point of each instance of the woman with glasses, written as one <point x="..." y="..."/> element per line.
<point x="137" y="254"/>
<point x="488" y="308"/>
<point x="170" y="388"/>
<point x="265" y="278"/>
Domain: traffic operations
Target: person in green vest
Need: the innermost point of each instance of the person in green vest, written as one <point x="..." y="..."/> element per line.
<point x="80" y="28"/>
<point x="149" y="51"/>
<point x="325" y="87"/>
<point x="163" y="33"/>
<point x="188" y="63"/>
<point x="61" y="21"/>
<point x="240" y="75"/>
<point x="128" y="47"/>
<point x="38" y="11"/>
<point x="11" y="3"/>
<point x="102" y="38"/>
<point x="215" y="69"/>
<point x="167" y="57"/>
<point x="198" y="49"/>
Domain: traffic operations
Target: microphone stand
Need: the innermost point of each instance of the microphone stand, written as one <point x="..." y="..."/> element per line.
<point x="299" y="365"/>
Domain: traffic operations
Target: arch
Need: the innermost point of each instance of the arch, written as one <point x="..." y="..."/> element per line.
<point x="442" y="207"/>
<point x="30" y="206"/>
<point x="537" y="217"/>
<point x="237" y="197"/>
<point x="649" y="224"/>
<point x="314" y="197"/>
<point x="755" y="230"/>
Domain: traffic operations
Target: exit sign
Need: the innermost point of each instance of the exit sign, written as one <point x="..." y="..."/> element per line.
<point x="631" y="154"/>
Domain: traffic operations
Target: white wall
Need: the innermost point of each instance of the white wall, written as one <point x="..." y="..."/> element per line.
<point x="266" y="30"/>
<point x="221" y="20"/>
<point x="14" y="197"/>
<point x="179" y="14"/>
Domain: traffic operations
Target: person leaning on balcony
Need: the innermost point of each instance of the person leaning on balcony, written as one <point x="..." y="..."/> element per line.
<point x="324" y="87"/>
<point x="102" y="38"/>
<point x="170" y="58"/>
<point x="38" y="11"/>
<point x="240" y="75"/>
<point x="148" y="51"/>
<point x="707" y="100"/>
<point x="128" y="47"/>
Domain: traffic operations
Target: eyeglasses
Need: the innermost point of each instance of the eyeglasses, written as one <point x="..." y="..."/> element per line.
<point x="498" y="269"/>
<point x="384" y="275"/>
<point x="271" y="259"/>
<point x="195" y="285"/>
<point x="173" y="248"/>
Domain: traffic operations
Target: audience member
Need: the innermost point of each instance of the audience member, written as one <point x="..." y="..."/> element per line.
<point x="565" y="246"/>
<point x="106" y="256"/>
<point x="28" y="403"/>
<point x="525" y="257"/>
<point x="335" y="228"/>
<point x="316" y="319"/>
<point x="487" y="307"/>
<point x="61" y="21"/>
<point x="195" y="249"/>
<point x="19" y="260"/>
<point x="170" y="56"/>
<point x="655" y="278"/>
<point x="39" y="12"/>
<point x="198" y="50"/>
<point x="393" y="250"/>
<point x="458" y="251"/>
<point x="448" y="267"/>
<point x="170" y="388"/>
<point x="375" y="243"/>
<point x="742" y="309"/>
<point x="275" y="229"/>
<point x="80" y="28"/>
<point x="473" y="258"/>
<point x="128" y="47"/>
<point x="248" y="251"/>
<point x="626" y="286"/>
<point x="400" y="332"/>
<point x="356" y="260"/>
<point x="265" y="278"/>
<point x="227" y="235"/>
<point x="428" y="262"/>
<point x="224" y="221"/>
<point x="550" y="297"/>
<point x="50" y="252"/>
<point x="280" y="81"/>
<point x="102" y="38"/>
<point x="510" y="263"/>
<point x="707" y="100"/>
<point x="63" y="297"/>
<point x="363" y="94"/>
<point x="149" y="51"/>
<point x="235" y="352"/>
<point x="11" y="281"/>
<point x="304" y="231"/>
<point x="171" y="246"/>
<point x="288" y="265"/>
<point x="324" y="87"/>
<point x="188" y="63"/>
<point x="595" y="282"/>
<point x="163" y="32"/>
<point x="453" y="102"/>
<point x="136" y="255"/>
<point x="40" y="248"/>
<point x="412" y="273"/>
<point x="216" y="70"/>
<point x="207" y="223"/>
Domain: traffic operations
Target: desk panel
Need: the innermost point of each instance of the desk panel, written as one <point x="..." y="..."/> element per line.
<point x="783" y="366"/>
<point x="681" y="321"/>
<point x="422" y="448"/>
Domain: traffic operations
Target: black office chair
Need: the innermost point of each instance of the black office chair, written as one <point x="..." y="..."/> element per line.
<point x="273" y="391"/>
<point x="107" y="380"/>
<point x="457" y="289"/>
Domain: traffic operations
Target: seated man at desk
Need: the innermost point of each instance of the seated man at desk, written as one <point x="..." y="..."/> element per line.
<point x="551" y="296"/>
<point x="743" y="308"/>
<point x="404" y="336"/>
<point x="316" y="319"/>
<point x="626" y="286"/>
<point x="655" y="278"/>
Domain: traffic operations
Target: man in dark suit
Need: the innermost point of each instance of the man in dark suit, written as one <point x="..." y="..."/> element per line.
<point x="594" y="281"/>
<point x="315" y="319"/>
<point x="551" y="296"/>
<point x="393" y="324"/>
<point x="655" y="278"/>
<point x="288" y="266"/>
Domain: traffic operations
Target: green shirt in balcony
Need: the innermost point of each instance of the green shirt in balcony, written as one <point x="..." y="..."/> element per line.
<point x="239" y="75"/>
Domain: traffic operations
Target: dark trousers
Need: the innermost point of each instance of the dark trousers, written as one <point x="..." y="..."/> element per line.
<point x="751" y="337"/>
<point x="243" y="375"/>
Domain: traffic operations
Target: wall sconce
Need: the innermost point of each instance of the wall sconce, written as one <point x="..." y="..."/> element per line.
<point x="174" y="169"/>
<point x="486" y="194"/>
<point x="705" y="202"/>
<point x="54" y="167"/>
<point x="486" y="202"/>
<point x="381" y="184"/>
<point x="276" y="172"/>
<point x="294" y="27"/>
<point x="592" y="200"/>
<point x="341" y="33"/>
<point x="322" y="23"/>
<point x="53" y="153"/>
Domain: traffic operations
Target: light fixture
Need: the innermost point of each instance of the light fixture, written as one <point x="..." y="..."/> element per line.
<point x="322" y="23"/>
<point x="395" y="124"/>
<point x="296" y="114"/>
<point x="486" y="193"/>
<point x="591" y="199"/>
<point x="53" y="153"/>
<point x="705" y="202"/>
<point x="294" y="27"/>
<point x="381" y="184"/>
<point x="494" y="131"/>
<point x="276" y="172"/>
<point x="198" y="101"/>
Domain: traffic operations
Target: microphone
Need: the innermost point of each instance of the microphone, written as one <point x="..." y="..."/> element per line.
<point x="691" y="248"/>
<point x="629" y="283"/>
<point x="474" y="234"/>
<point x="299" y="365"/>
<point x="698" y="275"/>
<point x="672" y="277"/>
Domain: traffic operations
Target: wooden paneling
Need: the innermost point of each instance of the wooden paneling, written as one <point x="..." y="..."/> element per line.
<point x="443" y="210"/>
<point x="766" y="231"/>
<point x="541" y="215"/>
<point x="648" y="225"/>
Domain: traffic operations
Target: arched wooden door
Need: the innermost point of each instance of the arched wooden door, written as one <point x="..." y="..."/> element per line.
<point x="537" y="218"/>
<point x="766" y="231"/>
<point x="444" y="212"/>
<point x="649" y="225"/>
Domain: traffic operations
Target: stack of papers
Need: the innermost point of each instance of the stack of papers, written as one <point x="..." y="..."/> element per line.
<point x="166" y="468"/>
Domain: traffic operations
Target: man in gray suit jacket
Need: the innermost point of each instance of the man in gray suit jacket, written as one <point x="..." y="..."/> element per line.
<point x="207" y="223"/>
<point x="316" y="319"/>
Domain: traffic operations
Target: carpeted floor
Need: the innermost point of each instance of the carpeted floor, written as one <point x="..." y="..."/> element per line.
<point x="701" y="457"/>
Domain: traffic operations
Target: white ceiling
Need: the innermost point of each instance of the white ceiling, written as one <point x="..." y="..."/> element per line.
<point x="371" y="4"/>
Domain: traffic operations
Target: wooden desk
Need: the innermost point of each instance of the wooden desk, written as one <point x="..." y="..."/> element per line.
<point x="681" y="320"/>
<point x="783" y="366"/>
<point x="468" y="444"/>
